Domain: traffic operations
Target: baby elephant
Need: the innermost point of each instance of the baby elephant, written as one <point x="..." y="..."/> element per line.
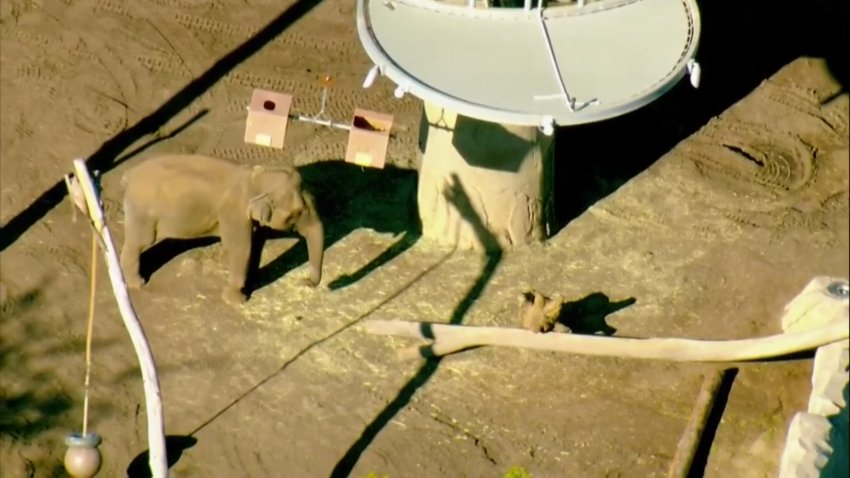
<point x="190" y="196"/>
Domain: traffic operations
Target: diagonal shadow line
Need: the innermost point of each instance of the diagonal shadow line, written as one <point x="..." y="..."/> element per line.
<point x="404" y="243"/>
<point x="159" y="138"/>
<point x="457" y="196"/>
<point x="103" y="158"/>
<point x="324" y="339"/>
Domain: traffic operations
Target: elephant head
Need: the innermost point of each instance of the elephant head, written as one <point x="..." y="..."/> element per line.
<point x="276" y="201"/>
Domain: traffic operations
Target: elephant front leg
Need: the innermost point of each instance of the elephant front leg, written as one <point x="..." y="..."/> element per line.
<point x="237" y="243"/>
<point x="310" y="227"/>
<point x="139" y="234"/>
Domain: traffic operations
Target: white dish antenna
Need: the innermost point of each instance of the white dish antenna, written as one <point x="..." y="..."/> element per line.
<point x="535" y="66"/>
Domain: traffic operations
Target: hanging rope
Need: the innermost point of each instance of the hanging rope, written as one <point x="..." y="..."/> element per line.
<point x="89" y="328"/>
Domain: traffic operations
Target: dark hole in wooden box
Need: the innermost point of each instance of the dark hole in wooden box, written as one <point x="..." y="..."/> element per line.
<point x="362" y="123"/>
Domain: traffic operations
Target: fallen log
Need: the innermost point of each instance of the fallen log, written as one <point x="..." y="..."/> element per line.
<point x="448" y="339"/>
<point x="691" y="439"/>
<point x="817" y="316"/>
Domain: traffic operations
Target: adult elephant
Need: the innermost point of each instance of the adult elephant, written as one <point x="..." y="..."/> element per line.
<point x="192" y="196"/>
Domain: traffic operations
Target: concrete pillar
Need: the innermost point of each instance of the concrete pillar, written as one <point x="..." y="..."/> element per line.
<point x="483" y="185"/>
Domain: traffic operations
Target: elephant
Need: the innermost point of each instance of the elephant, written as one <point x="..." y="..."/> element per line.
<point x="187" y="196"/>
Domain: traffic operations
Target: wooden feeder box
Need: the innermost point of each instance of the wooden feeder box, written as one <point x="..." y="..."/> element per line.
<point x="268" y="115"/>
<point x="368" y="139"/>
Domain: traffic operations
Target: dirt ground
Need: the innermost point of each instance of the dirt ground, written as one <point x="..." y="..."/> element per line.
<point x="698" y="216"/>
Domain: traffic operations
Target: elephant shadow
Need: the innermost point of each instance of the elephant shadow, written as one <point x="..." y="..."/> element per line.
<point x="155" y="257"/>
<point x="348" y="197"/>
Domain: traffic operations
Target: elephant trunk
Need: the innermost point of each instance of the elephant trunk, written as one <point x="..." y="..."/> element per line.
<point x="310" y="227"/>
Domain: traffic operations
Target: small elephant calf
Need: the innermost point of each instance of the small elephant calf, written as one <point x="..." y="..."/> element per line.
<point x="191" y="196"/>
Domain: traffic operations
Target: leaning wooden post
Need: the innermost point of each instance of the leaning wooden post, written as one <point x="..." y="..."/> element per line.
<point x="83" y="193"/>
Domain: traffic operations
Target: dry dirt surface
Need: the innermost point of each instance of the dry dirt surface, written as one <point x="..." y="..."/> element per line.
<point x="699" y="216"/>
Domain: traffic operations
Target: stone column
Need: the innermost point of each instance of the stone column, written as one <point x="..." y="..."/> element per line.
<point x="483" y="185"/>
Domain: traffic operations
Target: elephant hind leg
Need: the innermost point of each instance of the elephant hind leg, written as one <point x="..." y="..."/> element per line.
<point x="139" y="234"/>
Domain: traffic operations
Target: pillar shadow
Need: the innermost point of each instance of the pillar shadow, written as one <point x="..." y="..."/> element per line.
<point x="456" y="195"/>
<point x="103" y="159"/>
<point x="742" y="44"/>
<point x="317" y="343"/>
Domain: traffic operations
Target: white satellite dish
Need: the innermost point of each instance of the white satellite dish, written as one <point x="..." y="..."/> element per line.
<point x="541" y="66"/>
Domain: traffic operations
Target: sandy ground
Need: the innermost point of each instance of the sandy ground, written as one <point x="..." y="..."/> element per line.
<point x="699" y="216"/>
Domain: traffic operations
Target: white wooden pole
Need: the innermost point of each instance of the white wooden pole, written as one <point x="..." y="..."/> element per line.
<point x="84" y="194"/>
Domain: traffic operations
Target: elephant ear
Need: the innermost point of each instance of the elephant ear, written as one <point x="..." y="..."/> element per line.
<point x="260" y="209"/>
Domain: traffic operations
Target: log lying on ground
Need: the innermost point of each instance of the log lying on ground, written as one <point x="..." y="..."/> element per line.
<point x="688" y="444"/>
<point x="448" y="339"/>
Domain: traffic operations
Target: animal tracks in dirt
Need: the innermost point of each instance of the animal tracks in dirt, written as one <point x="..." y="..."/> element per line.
<point x="33" y="40"/>
<point x="777" y="179"/>
<point x="753" y="159"/>
<point x="116" y="8"/>
<point x="23" y="128"/>
<point x="187" y="4"/>
<point x="287" y="39"/>
<point x="105" y="116"/>
<point x="807" y="103"/>
<point x="39" y="72"/>
<point x="64" y="256"/>
<point x="304" y="151"/>
<point x="249" y="154"/>
<point x="162" y="64"/>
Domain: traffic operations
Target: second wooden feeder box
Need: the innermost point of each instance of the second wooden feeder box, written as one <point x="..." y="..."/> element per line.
<point x="369" y="138"/>
<point x="268" y="115"/>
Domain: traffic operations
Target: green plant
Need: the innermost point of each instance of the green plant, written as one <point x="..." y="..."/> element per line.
<point x="372" y="474"/>
<point x="517" y="472"/>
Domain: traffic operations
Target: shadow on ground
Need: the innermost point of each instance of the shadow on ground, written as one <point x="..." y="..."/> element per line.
<point x="588" y="315"/>
<point x="456" y="195"/>
<point x="175" y="445"/>
<point x="349" y="197"/>
<point x="159" y="254"/>
<point x="838" y="463"/>
<point x="317" y="343"/>
<point x="35" y="399"/>
<point x="104" y="159"/>
<point x="32" y="399"/>
<point x="33" y="405"/>
<point x="742" y="44"/>
<point x="712" y="423"/>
